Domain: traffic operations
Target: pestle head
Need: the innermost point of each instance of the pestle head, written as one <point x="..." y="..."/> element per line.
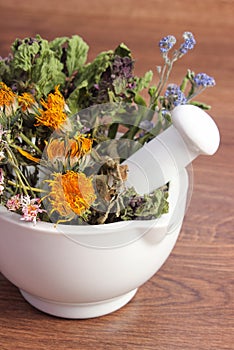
<point x="197" y="128"/>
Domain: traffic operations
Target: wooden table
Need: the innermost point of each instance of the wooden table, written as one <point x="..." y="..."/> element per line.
<point x="188" y="304"/>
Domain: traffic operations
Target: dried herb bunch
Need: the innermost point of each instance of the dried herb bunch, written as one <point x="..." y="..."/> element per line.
<point x="60" y="150"/>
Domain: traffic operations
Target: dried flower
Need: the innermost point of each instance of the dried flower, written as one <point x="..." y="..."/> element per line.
<point x="1" y="176"/>
<point x="71" y="193"/>
<point x="26" y="101"/>
<point x="31" y="208"/>
<point x="122" y="67"/>
<point x="84" y="145"/>
<point x="204" y="80"/>
<point x="174" y="95"/>
<point x="14" y="203"/>
<point x="72" y="149"/>
<point x="1" y="189"/>
<point x="1" y="181"/>
<point x="166" y="43"/>
<point x="7" y="96"/>
<point x="188" y="44"/>
<point x="53" y="115"/>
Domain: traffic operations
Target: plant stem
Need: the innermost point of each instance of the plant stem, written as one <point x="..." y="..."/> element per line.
<point x="184" y="84"/>
<point x="163" y="79"/>
<point x="27" y="187"/>
<point x="21" y="178"/>
<point x="30" y="143"/>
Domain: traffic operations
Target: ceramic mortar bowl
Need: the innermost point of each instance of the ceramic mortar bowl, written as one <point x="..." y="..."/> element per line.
<point x="88" y="271"/>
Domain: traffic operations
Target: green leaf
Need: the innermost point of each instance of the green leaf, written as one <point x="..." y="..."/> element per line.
<point x="143" y="82"/>
<point x="139" y="100"/>
<point x="24" y="54"/>
<point x="77" y="51"/>
<point x="4" y="70"/>
<point x="47" y="73"/>
<point x="152" y="91"/>
<point x="154" y="205"/>
<point x="202" y="105"/>
<point x="74" y="99"/>
<point x="93" y="71"/>
<point x="150" y="206"/>
<point x="119" y="85"/>
<point x="88" y="76"/>
<point x="56" y="45"/>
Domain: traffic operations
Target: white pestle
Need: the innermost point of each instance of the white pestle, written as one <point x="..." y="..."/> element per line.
<point x="193" y="132"/>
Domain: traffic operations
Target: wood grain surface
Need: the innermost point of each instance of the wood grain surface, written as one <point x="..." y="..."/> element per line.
<point x="188" y="304"/>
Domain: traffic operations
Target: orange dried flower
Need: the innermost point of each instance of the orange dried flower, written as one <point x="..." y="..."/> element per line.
<point x="74" y="148"/>
<point x="26" y="100"/>
<point x="85" y="144"/>
<point x="53" y="115"/>
<point x="7" y="96"/>
<point x="71" y="193"/>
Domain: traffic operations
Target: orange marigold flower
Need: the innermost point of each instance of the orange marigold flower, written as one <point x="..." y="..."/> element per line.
<point x="74" y="148"/>
<point x="26" y="100"/>
<point x="71" y="193"/>
<point x="53" y="114"/>
<point x="7" y="96"/>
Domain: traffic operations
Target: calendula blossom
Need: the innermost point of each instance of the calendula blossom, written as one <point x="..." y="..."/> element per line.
<point x="73" y="148"/>
<point x="71" y="193"/>
<point x="84" y="144"/>
<point x="53" y="115"/>
<point x="7" y="96"/>
<point x="26" y="101"/>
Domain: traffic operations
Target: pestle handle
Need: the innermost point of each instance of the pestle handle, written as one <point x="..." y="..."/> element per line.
<point x="192" y="132"/>
<point x="197" y="128"/>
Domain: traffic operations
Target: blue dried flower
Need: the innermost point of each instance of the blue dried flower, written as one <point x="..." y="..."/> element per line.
<point x="166" y="43"/>
<point x="175" y="95"/>
<point x="204" y="80"/>
<point x="188" y="44"/>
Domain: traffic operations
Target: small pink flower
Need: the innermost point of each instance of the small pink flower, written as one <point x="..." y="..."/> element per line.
<point x="30" y="209"/>
<point x="2" y="155"/>
<point x="14" y="203"/>
<point x="1" y="181"/>
<point x="1" y="176"/>
<point x="1" y="189"/>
